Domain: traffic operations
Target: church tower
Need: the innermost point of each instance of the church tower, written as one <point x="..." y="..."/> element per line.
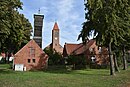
<point x="55" y="44"/>
<point x="55" y="37"/>
<point x="38" y="24"/>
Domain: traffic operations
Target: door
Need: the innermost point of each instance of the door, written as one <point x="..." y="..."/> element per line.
<point x="19" y="67"/>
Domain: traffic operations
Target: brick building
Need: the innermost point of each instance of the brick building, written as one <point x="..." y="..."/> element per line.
<point x="55" y="39"/>
<point x="92" y="52"/>
<point x="30" y="57"/>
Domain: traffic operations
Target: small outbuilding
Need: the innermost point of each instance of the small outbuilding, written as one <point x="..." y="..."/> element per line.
<point x="30" y="57"/>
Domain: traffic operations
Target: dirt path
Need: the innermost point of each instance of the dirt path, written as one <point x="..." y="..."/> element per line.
<point x="127" y="85"/>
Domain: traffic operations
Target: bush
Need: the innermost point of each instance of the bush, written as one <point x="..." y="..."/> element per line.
<point x="2" y="61"/>
<point x="78" y="62"/>
<point x="55" y="58"/>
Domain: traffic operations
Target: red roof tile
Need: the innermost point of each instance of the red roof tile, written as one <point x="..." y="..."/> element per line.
<point x="77" y="48"/>
<point x="82" y="48"/>
<point x="55" y="26"/>
<point x="71" y="47"/>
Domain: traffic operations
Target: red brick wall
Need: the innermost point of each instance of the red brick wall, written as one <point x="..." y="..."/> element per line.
<point x="101" y="57"/>
<point x="24" y="54"/>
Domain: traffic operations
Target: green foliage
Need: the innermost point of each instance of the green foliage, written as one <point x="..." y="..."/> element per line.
<point x="78" y="62"/>
<point x="2" y="61"/>
<point x="55" y="58"/>
<point x="109" y="20"/>
<point x="14" y="27"/>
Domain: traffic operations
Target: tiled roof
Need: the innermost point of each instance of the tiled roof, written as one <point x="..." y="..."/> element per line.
<point x="82" y="48"/>
<point x="77" y="48"/>
<point x="71" y="47"/>
<point x="55" y="26"/>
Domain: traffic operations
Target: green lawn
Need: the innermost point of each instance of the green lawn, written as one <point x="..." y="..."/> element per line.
<point x="62" y="78"/>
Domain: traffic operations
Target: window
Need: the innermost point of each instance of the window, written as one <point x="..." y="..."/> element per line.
<point x="29" y="60"/>
<point x="33" y="60"/>
<point x="32" y="52"/>
<point x="90" y="49"/>
<point x="93" y="59"/>
<point x="100" y="49"/>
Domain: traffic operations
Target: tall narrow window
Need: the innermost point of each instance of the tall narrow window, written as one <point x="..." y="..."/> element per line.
<point x="29" y="60"/>
<point x="100" y="49"/>
<point x="32" y="52"/>
<point x="33" y="60"/>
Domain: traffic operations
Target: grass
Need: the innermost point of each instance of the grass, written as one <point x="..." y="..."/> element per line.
<point x="62" y="78"/>
<point x="4" y="66"/>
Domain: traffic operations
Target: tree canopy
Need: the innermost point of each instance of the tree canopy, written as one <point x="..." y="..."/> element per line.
<point x="14" y="27"/>
<point x="109" y="20"/>
<point x="55" y="58"/>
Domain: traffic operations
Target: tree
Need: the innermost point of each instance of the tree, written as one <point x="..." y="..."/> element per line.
<point x="14" y="27"/>
<point x="125" y="47"/>
<point x="110" y="22"/>
<point x="19" y="33"/>
<point x="6" y="13"/>
<point x="55" y="58"/>
<point x="78" y="61"/>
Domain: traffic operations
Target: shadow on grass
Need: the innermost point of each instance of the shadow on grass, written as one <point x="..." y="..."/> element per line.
<point x="57" y="70"/>
<point x="6" y="71"/>
<point x="63" y="70"/>
<point x="91" y="73"/>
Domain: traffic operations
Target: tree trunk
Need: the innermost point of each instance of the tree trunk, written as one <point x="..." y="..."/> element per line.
<point x="112" y="70"/>
<point x="74" y="66"/>
<point x="124" y="59"/>
<point x="115" y="64"/>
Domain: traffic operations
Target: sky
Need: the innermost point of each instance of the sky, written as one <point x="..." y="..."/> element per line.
<point x="69" y="14"/>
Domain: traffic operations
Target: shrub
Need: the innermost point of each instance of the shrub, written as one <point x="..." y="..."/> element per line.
<point x="78" y="62"/>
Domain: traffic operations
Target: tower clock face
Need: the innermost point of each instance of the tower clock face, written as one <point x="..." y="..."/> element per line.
<point x="56" y="34"/>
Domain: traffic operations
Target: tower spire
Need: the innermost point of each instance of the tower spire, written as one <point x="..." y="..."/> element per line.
<point x="55" y="26"/>
<point x="39" y="11"/>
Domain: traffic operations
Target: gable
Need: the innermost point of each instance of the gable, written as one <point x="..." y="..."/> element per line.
<point x="59" y="48"/>
<point x="30" y="45"/>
